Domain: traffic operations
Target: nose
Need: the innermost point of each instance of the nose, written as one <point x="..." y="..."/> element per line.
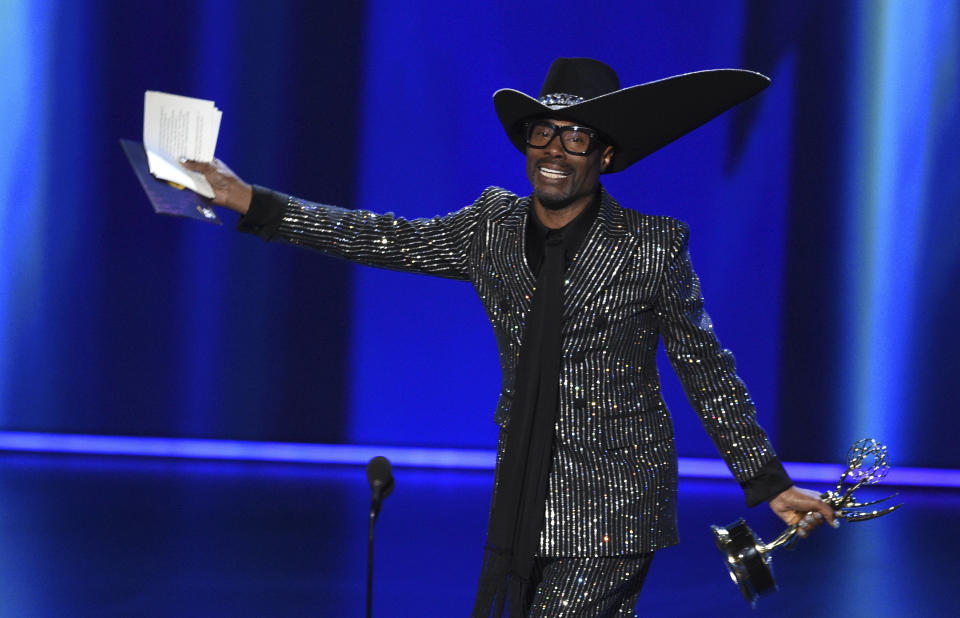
<point x="554" y="147"/>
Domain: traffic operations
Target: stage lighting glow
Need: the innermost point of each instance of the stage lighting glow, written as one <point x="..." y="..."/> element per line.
<point x="23" y="65"/>
<point x="352" y="454"/>
<point x="901" y="50"/>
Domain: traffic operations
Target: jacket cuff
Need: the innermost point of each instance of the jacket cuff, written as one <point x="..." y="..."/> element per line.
<point x="265" y="214"/>
<point x="766" y="484"/>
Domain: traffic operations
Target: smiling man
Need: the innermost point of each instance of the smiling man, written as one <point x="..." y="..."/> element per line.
<point x="579" y="291"/>
<point x="563" y="185"/>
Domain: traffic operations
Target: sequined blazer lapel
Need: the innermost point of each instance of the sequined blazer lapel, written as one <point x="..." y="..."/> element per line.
<point x="506" y="248"/>
<point x="603" y="253"/>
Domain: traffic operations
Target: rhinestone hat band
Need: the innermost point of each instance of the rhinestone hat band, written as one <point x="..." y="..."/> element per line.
<point x="556" y="100"/>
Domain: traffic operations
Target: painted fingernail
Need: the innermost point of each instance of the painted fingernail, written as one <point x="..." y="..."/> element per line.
<point x="818" y="515"/>
<point x="835" y="523"/>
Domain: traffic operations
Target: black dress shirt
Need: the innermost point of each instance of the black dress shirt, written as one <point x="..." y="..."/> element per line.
<point x="574" y="234"/>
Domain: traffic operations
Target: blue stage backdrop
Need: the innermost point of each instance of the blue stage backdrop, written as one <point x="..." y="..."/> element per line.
<point x="823" y="214"/>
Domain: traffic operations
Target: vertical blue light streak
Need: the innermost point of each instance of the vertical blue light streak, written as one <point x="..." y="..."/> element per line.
<point x="202" y="254"/>
<point x="898" y="49"/>
<point x="23" y="95"/>
<point x="23" y="64"/>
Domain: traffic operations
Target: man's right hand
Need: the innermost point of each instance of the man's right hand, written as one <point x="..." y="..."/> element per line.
<point x="228" y="188"/>
<point x="803" y="508"/>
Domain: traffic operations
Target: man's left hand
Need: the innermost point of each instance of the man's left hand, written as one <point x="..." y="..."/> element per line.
<point x="803" y="508"/>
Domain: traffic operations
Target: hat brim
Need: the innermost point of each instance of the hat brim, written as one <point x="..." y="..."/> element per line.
<point x="641" y="119"/>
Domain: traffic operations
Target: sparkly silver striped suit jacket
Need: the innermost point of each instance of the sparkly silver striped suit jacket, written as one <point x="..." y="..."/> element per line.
<point x="614" y="475"/>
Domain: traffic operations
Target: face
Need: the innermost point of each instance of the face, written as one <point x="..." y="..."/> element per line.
<point x="561" y="179"/>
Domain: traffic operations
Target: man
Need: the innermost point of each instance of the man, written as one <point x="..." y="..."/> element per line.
<point x="578" y="290"/>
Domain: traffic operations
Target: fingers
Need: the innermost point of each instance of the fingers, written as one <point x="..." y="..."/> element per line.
<point x="808" y="522"/>
<point x="829" y="515"/>
<point x="804" y="509"/>
<point x="202" y="167"/>
<point x="228" y="189"/>
<point x="814" y="504"/>
<point x="813" y="519"/>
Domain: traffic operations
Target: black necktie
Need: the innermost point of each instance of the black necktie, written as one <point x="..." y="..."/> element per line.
<point x="516" y="520"/>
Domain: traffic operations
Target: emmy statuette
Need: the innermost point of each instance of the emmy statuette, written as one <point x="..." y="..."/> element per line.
<point x="748" y="557"/>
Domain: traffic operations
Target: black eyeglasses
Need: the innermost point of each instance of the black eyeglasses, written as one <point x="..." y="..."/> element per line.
<point x="579" y="141"/>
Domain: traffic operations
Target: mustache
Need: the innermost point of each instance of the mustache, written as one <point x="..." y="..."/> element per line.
<point x="555" y="163"/>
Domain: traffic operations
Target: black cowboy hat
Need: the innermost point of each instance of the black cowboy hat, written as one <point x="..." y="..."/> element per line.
<point x="637" y="120"/>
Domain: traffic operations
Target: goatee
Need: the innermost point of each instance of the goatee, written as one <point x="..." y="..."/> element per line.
<point x="552" y="202"/>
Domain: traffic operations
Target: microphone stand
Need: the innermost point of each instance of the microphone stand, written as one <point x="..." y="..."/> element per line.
<point x="381" y="484"/>
<point x="374" y="508"/>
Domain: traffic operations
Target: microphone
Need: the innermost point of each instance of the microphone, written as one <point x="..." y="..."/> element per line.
<point x="381" y="484"/>
<point x="380" y="477"/>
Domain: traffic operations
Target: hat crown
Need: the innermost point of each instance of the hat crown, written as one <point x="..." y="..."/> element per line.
<point x="581" y="77"/>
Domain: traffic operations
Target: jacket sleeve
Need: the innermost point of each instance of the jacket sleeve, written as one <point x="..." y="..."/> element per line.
<point x="708" y="375"/>
<point x="437" y="246"/>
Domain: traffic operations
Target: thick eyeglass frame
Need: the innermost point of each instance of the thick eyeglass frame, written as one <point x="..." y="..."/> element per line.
<point x="595" y="139"/>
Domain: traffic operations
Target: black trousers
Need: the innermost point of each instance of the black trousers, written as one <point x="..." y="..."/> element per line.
<point x="589" y="587"/>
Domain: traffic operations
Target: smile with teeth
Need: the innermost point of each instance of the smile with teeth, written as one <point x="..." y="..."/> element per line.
<point x="553" y="174"/>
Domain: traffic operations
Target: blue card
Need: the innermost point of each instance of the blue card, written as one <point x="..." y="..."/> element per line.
<point x="166" y="198"/>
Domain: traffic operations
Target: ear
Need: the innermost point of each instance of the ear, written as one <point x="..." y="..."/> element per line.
<point x="606" y="158"/>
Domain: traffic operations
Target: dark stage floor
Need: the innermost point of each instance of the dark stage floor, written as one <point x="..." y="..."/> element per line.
<point x="87" y="536"/>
